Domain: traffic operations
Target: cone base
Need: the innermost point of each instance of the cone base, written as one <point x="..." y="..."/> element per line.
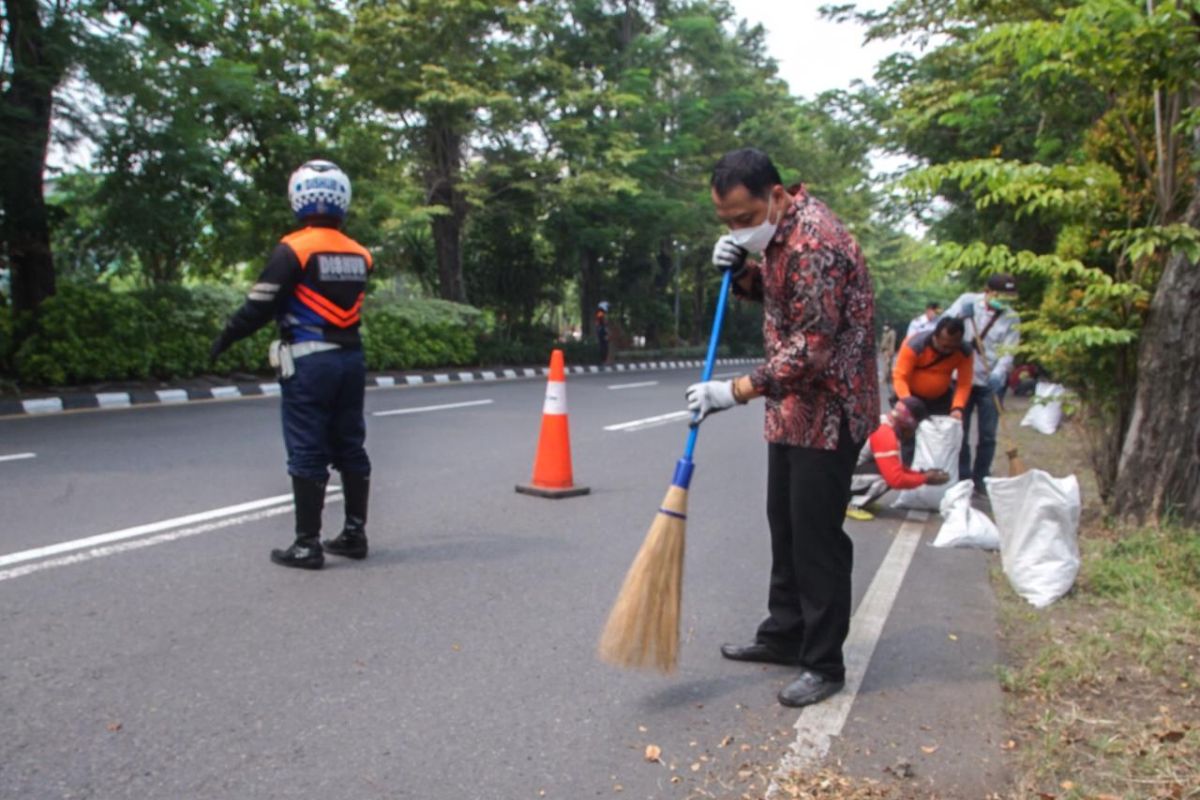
<point x="552" y="493"/>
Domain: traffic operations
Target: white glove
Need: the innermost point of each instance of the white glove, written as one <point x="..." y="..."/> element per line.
<point x="709" y="397"/>
<point x="727" y="255"/>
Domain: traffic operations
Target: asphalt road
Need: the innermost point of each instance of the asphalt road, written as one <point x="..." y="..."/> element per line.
<point x="458" y="660"/>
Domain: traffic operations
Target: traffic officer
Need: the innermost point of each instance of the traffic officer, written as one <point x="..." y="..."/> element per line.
<point x="313" y="287"/>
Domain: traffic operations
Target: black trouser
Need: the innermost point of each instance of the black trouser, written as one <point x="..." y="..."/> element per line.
<point x="811" y="555"/>
<point x="940" y="406"/>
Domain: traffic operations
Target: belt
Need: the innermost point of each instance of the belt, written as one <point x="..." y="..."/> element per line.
<point x="302" y="349"/>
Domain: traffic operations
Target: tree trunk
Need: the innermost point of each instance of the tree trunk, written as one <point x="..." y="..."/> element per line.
<point x="1159" y="471"/>
<point x="589" y="290"/>
<point x="445" y="160"/>
<point x="25" y="111"/>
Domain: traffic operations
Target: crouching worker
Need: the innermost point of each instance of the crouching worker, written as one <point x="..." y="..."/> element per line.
<point x="879" y="464"/>
<point x="313" y="287"/>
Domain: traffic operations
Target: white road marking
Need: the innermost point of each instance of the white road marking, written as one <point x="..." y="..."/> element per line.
<point x="727" y="375"/>
<point x="633" y="385"/>
<point x="162" y="538"/>
<point x="18" y="456"/>
<point x="419" y="409"/>
<point x="648" y="422"/>
<point x="817" y="725"/>
<point x="142" y="530"/>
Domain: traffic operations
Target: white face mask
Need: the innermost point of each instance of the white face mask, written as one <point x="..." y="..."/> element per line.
<point x="756" y="239"/>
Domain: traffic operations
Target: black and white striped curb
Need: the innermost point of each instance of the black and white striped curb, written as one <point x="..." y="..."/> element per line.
<point x="139" y="397"/>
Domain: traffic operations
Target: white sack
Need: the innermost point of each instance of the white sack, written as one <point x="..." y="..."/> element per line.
<point x="938" y="443"/>
<point x="1038" y="518"/>
<point x="965" y="526"/>
<point x="1046" y="412"/>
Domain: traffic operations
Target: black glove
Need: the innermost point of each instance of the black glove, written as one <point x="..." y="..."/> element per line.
<point x="728" y="256"/>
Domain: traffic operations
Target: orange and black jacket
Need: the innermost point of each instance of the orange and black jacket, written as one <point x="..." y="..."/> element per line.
<point x="313" y="286"/>
<point x="922" y="371"/>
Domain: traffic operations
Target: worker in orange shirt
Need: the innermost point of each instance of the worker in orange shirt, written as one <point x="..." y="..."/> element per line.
<point x="927" y="366"/>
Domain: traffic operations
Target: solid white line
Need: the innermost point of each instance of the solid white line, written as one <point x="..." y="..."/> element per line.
<point x="633" y="385"/>
<point x="18" y="456"/>
<point x="648" y="422"/>
<point x="817" y="725"/>
<point x="398" y="411"/>
<point x="137" y="544"/>
<point x="141" y="530"/>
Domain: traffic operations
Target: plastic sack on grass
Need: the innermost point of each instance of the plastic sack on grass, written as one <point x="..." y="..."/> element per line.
<point x="1038" y="518"/>
<point x="1046" y="412"/>
<point x="965" y="526"/>
<point x="938" y="442"/>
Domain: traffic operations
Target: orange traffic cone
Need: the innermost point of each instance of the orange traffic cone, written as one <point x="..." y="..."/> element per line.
<point x="552" y="467"/>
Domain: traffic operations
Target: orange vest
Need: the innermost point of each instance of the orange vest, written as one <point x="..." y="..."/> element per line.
<point x="334" y="271"/>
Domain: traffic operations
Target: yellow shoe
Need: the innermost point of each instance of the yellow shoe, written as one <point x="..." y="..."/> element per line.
<point x="859" y="514"/>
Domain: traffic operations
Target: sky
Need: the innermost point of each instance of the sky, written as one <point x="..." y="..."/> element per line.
<point x="814" y="54"/>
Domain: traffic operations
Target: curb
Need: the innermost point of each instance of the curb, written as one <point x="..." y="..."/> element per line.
<point x="57" y="404"/>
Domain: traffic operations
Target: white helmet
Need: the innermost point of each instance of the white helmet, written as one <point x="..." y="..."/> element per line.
<point x="603" y="306"/>
<point x="319" y="188"/>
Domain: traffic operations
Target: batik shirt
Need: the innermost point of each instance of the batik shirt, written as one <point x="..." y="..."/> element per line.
<point x="818" y="330"/>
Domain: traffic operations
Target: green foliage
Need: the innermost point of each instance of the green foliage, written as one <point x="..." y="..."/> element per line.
<point x="89" y="334"/>
<point x="418" y="334"/>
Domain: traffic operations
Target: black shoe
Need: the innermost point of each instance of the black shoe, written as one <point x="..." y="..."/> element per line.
<point x="809" y="688"/>
<point x="350" y="543"/>
<point x="303" y="554"/>
<point x="758" y="652"/>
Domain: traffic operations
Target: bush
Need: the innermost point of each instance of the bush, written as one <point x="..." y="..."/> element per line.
<point x="408" y="334"/>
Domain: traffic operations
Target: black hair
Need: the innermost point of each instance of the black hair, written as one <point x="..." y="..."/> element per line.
<point x="951" y="325"/>
<point x="746" y="167"/>
<point x="934" y="304"/>
<point x="916" y="407"/>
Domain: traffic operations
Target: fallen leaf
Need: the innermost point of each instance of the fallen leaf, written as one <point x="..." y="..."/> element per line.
<point x="1011" y="744"/>
<point x="696" y="767"/>
<point x="728" y="740"/>
<point x="113" y="727"/>
<point x="745" y="748"/>
<point x="1171" y="736"/>
<point x="929" y="749"/>
<point x="1066" y="786"/>
<point x="676" y="779"/>
<point x="618" y="788"/>
<point x="653" y="753"/>
<point x="953" y="638"/>
<point x="641" y="728"/>
<point x="456" y="647"/>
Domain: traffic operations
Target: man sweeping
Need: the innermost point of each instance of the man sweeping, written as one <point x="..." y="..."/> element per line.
<point x="822" y="400"/>
<point x="880" y="467"/>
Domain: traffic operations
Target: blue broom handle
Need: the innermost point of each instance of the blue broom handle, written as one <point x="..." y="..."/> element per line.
<point x="711" y="358"/>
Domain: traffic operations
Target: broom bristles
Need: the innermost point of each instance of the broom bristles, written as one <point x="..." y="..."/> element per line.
<point x="643" y="626"/>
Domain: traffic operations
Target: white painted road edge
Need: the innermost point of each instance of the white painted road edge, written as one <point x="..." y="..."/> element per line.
<point x="154" y="527"/>
<point x="638" y="385"/>
<point x="648" y="422"/>
<point x="817" y="725"/>
<point x="419" y="409"/>
<point x="18" y="456"/>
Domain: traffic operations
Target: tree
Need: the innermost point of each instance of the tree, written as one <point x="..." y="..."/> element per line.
<point x="37" y="51"/>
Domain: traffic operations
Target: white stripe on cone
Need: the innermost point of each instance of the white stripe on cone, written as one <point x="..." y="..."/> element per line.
<point x="556" y="398"/>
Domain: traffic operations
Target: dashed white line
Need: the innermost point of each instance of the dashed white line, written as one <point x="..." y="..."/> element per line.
<point x="637" y="385"/>
<point x="141" y="530"/>
<point x="648" y="422"/>
<point x="149" y="541"/>
<point x="817" y="725"/>
<point x="18" y="456"/>
<point x="420" y="409"/>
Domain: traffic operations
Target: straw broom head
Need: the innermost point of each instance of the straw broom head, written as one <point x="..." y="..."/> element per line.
<point x="643" y="626"/>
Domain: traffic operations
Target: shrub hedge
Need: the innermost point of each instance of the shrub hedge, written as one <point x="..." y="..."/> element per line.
<point x="92" y="333"/>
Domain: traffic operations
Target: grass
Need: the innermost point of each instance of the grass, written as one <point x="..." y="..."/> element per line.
<point x="1102" y="685"/>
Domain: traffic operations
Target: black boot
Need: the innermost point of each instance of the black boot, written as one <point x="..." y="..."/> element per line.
<point x="352" y="541"/>
<point x="305" y="552"/>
